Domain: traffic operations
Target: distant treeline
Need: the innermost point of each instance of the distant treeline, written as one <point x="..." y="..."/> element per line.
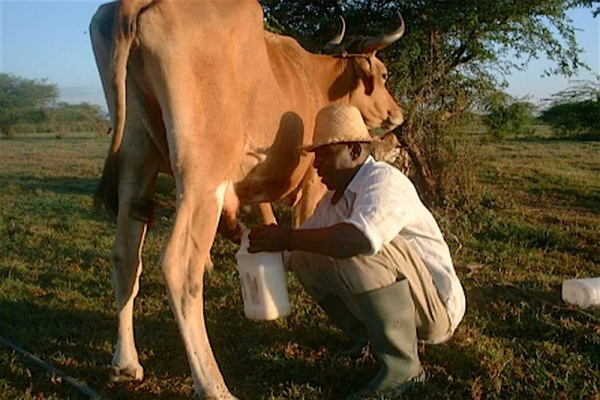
<point x="31" y="105"/>
<point x="64" y="118"/>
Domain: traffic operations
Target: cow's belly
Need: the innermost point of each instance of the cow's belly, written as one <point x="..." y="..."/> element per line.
<point x="270" y="173"/>
<point x="276" y="127"/>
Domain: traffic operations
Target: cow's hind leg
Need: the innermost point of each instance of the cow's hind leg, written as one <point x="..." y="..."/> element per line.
<point x="127" y="268"/>
<point x="137" y="178"/>
<point x="125" y="174"/>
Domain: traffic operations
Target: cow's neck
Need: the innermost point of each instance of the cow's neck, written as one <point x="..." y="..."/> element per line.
<point x="335" y="78"/>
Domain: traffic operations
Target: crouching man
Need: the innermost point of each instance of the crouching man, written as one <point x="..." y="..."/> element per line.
<point x="371" y="255"/>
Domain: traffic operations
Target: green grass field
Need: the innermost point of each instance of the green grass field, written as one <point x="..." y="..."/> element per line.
<point x="537" y="224"/>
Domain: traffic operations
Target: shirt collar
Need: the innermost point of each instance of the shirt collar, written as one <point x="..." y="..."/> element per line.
<point x="353" y="185"/>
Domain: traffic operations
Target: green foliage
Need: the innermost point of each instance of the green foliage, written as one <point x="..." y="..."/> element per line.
<point x="575" y="111"/>
<point x="505" y="115"/>
<point x="22" y="99"/>
<point x="445" y="66"/>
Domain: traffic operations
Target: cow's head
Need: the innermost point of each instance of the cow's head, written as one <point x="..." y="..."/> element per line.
<point x="368" y="93"/>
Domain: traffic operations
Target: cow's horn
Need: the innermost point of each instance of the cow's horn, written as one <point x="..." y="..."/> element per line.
<point x="371" y="45"/>
<point x="337" y="40"/>
<point x="333" y="44"/>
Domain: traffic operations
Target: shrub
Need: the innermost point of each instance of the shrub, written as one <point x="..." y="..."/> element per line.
<point x="575" y="111"/>
<point x="505" y="115"/>
<point x="580" y="118"/>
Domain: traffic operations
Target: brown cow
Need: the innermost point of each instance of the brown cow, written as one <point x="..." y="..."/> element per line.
<point x="199" y="90"/>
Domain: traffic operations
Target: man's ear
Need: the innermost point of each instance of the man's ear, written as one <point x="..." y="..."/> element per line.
<point x="355" y="150"/>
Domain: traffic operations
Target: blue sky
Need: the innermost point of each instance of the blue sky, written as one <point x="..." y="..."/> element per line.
<point x="50" y="39"/>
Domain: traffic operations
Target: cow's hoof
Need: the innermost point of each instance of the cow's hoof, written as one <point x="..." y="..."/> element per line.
<point x="127" y="374"/>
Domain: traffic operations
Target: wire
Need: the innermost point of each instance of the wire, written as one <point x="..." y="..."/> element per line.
<point x="81" y="387"/>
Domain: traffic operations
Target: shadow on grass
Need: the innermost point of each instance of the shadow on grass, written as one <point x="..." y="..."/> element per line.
<point x="71" y="340"/>
<point x="555" y="139"/>
<point x="257" y="360"/>
<point x="40" y="137"/>
<point x="73" y="184"/>
<point x="261" y="360"/>
<point x="571" y="198"/>
<point x="533" y="316"/>
<point x="549" y="236"/>
<point x="57" y="184"/>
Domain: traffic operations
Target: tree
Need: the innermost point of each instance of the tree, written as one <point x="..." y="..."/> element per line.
<point x="575" y="111"/>
<point x="20" y="98"/>
<point x="447" y="63"/>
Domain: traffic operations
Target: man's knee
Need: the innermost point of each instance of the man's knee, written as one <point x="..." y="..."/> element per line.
<point x="297" y="258"/>
<point x="301" y="263"/>
<point x="312" y="271"/>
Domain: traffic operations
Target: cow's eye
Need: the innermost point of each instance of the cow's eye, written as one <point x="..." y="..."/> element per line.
<point x="384" y="76"/>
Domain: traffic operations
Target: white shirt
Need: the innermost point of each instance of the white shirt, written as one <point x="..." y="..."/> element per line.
<point x="382" y="202"/>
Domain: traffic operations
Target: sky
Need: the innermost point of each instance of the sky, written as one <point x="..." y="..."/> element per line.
<point x="50" y="40"/>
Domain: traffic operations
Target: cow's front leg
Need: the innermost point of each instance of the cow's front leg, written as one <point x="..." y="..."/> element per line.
<point x="183" y="264"/>
<point x="311" y="191"/>
<point x="265" y="210"/>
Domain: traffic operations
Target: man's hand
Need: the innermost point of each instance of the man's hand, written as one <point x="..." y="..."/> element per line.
<point x="269" y="238"/>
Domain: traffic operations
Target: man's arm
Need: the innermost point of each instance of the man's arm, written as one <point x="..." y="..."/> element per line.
<point x="340" y="240"/>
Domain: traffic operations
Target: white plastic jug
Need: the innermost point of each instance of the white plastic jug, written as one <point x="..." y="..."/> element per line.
<point x="263" y="282"/>
<point x="582" y="292"/>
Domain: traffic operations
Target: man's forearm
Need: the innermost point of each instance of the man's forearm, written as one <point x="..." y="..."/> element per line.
<point x="339" y="241"/>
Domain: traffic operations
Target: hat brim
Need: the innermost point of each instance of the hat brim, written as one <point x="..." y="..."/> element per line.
<point x="309" y="148"/>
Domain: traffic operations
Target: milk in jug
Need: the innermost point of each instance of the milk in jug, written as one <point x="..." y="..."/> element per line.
<point x="264" y="288"/>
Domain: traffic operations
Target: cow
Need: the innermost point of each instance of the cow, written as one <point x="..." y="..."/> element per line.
<point x="199" y="90"/>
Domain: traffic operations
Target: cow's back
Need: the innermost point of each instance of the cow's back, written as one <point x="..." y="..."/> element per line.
<point x="210" y="44"/>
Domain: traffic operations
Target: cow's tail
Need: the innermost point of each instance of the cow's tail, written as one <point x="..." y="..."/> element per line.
<point x="124" y="32"/>
<point x="107" y="193"/>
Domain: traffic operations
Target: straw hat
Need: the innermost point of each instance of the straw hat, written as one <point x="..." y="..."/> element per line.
<point x="338" y="123"/>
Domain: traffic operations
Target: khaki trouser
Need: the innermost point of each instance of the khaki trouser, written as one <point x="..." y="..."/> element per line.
<point x="346" y="277"/>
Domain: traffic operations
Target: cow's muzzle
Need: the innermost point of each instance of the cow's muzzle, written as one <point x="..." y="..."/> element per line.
<point x="387" y="125"/>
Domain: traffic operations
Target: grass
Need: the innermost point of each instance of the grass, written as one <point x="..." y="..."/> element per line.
<point x="537" y="224"/>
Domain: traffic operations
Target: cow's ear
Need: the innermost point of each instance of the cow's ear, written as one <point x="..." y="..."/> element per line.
<point x="364" y="71"/>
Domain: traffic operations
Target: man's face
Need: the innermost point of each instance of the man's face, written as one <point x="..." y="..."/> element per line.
<point x="332" y="163"/>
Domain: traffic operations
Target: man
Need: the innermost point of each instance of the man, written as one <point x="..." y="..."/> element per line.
<point x="371" y="255"/>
